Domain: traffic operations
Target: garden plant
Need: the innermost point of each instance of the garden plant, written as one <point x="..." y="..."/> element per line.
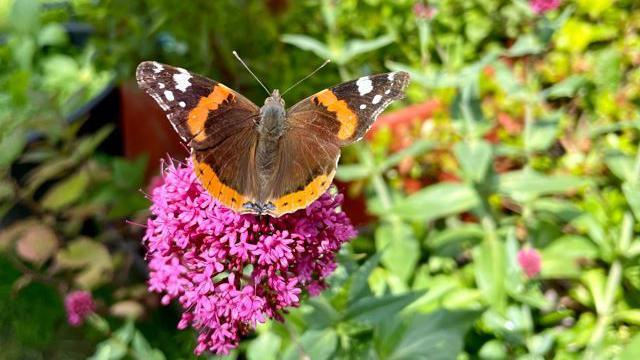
<point x="493" y="213"/>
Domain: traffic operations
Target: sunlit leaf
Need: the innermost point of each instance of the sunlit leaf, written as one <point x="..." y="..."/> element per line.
<point x="67" y="191"/>
<point x="399" y="247"/>
<point x="436" y="201"/>
<point x="308" y="43"/>
<point x="436" y="336"/>
<point x="474" y="157"/>
<point x="314" y="344"/>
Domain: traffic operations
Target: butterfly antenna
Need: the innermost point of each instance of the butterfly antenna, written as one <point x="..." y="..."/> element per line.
<point x="306" y="77"/>
<point x="250" y="72"/>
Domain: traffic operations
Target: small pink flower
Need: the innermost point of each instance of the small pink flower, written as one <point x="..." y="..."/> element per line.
<point x="529" y="260"/>
<point x="79" y="305"/>
<point x="231" y="271"/>
<point x="422" y="11"/>
<point x="542" y="6"/>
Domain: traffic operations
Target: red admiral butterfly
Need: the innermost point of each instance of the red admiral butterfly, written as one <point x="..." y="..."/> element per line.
<point x="266" y="160"/>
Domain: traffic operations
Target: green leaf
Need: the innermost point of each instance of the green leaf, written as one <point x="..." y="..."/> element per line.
<point x="142" y="350"/>
<point x="110" y="349"/>
<point x="436" y="201"/>
<point x="562" y="257"/>
<point x="90" y="256"/>
<point x="399" y="247"/>
<point x="66" y="192"/>
<point x="354" y="48"/>
<point x="541" y="133"/>
<point x="595" y="281"/>
<point x="417" y="148"/>
<point x="526" y="185"/>
<point x="452" y="241"/>
<point x="313" y="344"/>
<point x="630" y="316"/>
<point x="474" y="158"/>
<point x="87" y="145"/>
<point x="129" y="173"/>
<point x="359" y="282"/>
<point x="352" y="172"/>
<point x="490" y="271"/>
<point x="323" y="315"/>
<point x="620" y="165"/>
<point x="632" y="194"/>
<point x="435" y="336"/>
<point x="52" y="34"/>
<point x="372" y="310"/>
<point x="11" y="146"/>
<point x="266" y="346"/>
<point x="309" y="44"/>
<point x="632" y="350"/>
<point x="25" y="16"/>
<point x="526" y="44"/>
<point x="565" y="88"/>
<point x="493" y="350"/>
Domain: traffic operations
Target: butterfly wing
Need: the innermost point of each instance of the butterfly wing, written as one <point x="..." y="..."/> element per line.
<point x="318" y="126"/>
<point x="216" y="122"/>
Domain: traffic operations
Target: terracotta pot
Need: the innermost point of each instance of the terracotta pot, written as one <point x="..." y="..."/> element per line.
<point x="146" y="130"/>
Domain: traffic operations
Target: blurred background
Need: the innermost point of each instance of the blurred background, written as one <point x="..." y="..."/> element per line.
<point x="504" y="190"/>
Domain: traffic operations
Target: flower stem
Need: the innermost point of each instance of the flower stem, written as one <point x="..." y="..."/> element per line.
<point x="605" y="314"/>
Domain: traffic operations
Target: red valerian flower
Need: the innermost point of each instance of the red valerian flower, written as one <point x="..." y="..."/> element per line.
<point x="542" y="6"/>
<point x="231" y="271"/>
<point x="79" y="305"/>
<point x="530" y="261"/>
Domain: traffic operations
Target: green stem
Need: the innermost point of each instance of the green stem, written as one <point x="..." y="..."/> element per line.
<point x="377" y="181"/>
<point x="605" y="314"/>
<point x="636" y="168"/>
<point x="528" y="123"/>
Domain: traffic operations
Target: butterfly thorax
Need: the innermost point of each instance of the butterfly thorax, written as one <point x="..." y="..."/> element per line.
<point x="271" y="127"/>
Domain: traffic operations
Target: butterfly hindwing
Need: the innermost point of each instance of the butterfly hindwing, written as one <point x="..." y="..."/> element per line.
<point x="216" y="122"/>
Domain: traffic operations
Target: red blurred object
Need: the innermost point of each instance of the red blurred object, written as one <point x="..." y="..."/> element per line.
<point x="146" y="129"/>
<point x="405" y="116"/>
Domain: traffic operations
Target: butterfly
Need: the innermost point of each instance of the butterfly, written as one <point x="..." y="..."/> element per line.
<point x="266" y="160"/>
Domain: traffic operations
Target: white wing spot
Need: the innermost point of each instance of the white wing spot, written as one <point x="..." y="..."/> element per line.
<point x="387" y="92"/>
<point x="169" y="95"/>
<point x="364" y="85"/>
<point x="391" y="76"/>
<point x="161" y="85"/>
<point x="157" y="68"/>
<point x="376" y="99"/>
<point x="182" y="79"/>
<point x="363" y="106"/>
<point x="182" y="104"/>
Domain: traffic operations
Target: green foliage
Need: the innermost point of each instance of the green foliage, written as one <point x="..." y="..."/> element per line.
<point x="534" y="143"/>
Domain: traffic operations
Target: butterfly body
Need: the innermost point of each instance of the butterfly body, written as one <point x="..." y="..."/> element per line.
<point x="270" y="128"/>
<point x="266" y="160"/>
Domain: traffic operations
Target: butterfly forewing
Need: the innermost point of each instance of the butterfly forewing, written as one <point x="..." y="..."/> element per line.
<point x="348" y="110"/>
<point x="216" y="122"/>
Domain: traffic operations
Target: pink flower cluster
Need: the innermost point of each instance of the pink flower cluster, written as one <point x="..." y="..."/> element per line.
<point x="231" y="271"/>
<point x="542" y="6"/>
<point x="79" y="305"/>
<point x="530" y="261"/>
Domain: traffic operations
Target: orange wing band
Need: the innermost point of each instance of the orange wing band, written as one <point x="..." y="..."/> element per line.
<point x="301" y="199"/>
<point x="198" y="116"/>
<point x="347" y="118"/>
<point x="219" y="191"/>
